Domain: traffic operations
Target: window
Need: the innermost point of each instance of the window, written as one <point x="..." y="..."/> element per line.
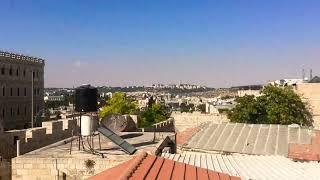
<point x="25" y="92"/>
<point x="11" y="112"/>
<point x="18" y="111"/>
<point x="3" y="112"/>
<point x="2" y="71"/>
<point x="10" y="71"/>
<point x="3" y="91"/>
<point x="24" y="73"/>
<point x="33" y="74"/>
<point x="17" y="72"/>
<point x="11" y="93"/>
<point x="18" y="91"/>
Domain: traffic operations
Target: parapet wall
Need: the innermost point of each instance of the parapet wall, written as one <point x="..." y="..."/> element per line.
<point x="191" y="120"/>
<point x="34" y="138"/>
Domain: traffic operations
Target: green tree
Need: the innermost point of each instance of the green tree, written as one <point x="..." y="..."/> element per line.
<point x="153" y="114"/>
<point x="119" y="103"/>
<point x="186" y="107"/>
<point x="276" y="105"/>
<point x="201" y="108"/>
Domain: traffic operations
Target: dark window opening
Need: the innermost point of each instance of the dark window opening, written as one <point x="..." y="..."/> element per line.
<point x="3" y="91"/>
<point x="17" y="72"/>
<point x="24" y="73"/>
<point x="2" y="71"/>
<point x="25" y="91"/>
<point x="18" y="111"/>
<point x="15" y="138"/>
<point x="11" y="93"/>
<point x="11" y="112"/>
<point x="18" y="91"/>
<point x="10" y="71"/>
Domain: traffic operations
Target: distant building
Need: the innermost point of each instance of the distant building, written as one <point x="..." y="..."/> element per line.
<point x="18" y="73"/>
<point x="54" y="98"/>
<point x="310" y="93"/>
<point x="287" y="82"/>
<point x="315" y="79"/>
<point x="249" y="92"/>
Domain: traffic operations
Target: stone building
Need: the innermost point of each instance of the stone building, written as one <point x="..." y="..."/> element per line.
<point x="310" y="93"/>
<point x="18" y="74"/>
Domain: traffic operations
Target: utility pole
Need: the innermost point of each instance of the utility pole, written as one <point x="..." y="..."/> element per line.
<point x="32" y="99"/>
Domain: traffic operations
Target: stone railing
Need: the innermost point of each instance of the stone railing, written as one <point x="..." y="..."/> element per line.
<point x="164" y="126"/>
<point x="21" y="57"/>
<point x="34" y="138"/>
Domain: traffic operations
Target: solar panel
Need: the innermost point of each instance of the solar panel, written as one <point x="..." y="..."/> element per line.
<point x="128" y="148"/>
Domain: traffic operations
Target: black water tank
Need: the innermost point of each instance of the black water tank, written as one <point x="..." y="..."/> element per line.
<point x="86" y="98"/>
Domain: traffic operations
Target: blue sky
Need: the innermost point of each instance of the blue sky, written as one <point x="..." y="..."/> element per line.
<point x="140" y="42"/>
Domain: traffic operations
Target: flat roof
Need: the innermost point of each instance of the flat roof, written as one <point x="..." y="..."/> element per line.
<point x="141" y="140"/>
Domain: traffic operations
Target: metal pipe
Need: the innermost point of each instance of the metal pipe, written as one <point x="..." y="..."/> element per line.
<point x="18" y="148"/>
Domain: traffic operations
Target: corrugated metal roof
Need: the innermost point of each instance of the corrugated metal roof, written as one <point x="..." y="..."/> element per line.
<point x="263" y="139"/>
<point x="250" y="166"/>
<point x="145" y="166"/>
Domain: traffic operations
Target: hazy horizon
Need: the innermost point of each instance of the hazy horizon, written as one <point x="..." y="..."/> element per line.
<point x="125" y="43"/>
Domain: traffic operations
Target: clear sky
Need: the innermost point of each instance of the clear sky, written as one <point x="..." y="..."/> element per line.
<point x="140" y="42"/>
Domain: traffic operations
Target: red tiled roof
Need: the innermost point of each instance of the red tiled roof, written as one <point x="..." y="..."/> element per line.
<point x="145" y="166"/>
<point x="184" y="136"/>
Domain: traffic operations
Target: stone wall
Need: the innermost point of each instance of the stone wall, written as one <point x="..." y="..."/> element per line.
<point x="195" y="119"/>
<point x="34" y="138"/>
<point x="310" y="93"/>
<point x="309" y="152"/>
<point x="164" y="126"/>
<point x="58" y="168"/>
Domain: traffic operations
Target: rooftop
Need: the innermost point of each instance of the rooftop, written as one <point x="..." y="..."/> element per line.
<point x="250" y="166"/>
<point x="108" y="149"/>
<point x="21" y="57"/>
<point x="263" y="139"/>
<point x="145" y="166"/>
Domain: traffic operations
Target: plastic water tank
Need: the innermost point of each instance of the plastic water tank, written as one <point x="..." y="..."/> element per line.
<point x="86" y="98"/>
<point x="88" y="124"/>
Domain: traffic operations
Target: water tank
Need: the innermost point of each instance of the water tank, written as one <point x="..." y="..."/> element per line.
<point x="86" y="98"/>
<point x="89" y="124"/>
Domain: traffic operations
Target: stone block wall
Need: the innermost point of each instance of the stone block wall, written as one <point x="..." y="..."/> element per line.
<point x="26" y="168"/>
<point x="191" y="120"/>
<point x="309" y="152"/>
<point x="34" y="138"/>
<point x="164" y="126"/>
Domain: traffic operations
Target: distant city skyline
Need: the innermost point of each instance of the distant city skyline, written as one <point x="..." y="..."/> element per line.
<point x="125" y="43"/>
